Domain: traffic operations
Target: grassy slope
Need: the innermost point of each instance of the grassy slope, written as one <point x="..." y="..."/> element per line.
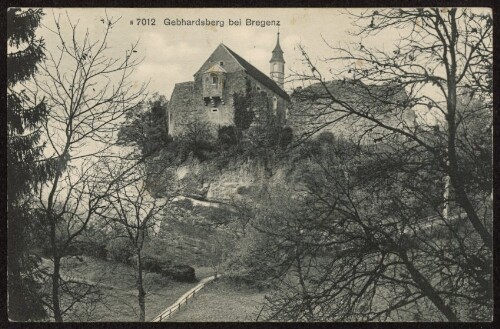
<point x="117" y="284"/>
<point x="184" y="243"/>
<point x="220" y="302"/>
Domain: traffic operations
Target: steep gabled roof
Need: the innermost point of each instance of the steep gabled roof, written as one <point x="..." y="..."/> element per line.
<point x="216" y="69"/>
<point x="258" y="75"/>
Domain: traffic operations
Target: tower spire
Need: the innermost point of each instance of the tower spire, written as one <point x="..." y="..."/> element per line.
<point x="277" y="52"/>
<point x="278" y="63"/>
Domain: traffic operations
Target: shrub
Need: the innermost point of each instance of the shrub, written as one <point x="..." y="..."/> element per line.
<point x="89" y="248"/>
<point x="165" y="267"/>
<point x="243" y="109"/>
<point x="119" y="250"/>
<point x="286" y="137"/>
<point x="197" y="139"/>
<point x="247" y="279"/>
<point x="179" y="272"/>
<point x="73" y="250"/>
<point x="184" y="203"/>
<point x="154" y="264"/>
<point x="326" y="137"/>
<point x="250" y="265"/>
<point x="227" y="136"/>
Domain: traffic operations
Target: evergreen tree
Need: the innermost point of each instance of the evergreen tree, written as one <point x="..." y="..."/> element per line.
<point x="24" y="168"/>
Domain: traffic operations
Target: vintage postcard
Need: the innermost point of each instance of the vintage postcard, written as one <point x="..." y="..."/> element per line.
<point x="250" y="164"/>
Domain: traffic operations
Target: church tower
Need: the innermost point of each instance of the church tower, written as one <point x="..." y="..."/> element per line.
<point x="278" y="64"/>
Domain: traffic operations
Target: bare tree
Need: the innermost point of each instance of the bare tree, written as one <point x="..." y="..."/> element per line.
<point x="130" y="208"/>
<point x="220" y="245"/>
<point x="353" y="246"/>
<point x="373" y="242"/>
<point x="443" y="54"/>
<point x="88" y="93"/>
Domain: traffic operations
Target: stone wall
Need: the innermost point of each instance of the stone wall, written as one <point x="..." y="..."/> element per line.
<point x="182" y="107"/>
<point x="282" y="104"/>
<point x="187" y="104"/>
<point x="313" y="110"/>
<point x="234" y="82"/>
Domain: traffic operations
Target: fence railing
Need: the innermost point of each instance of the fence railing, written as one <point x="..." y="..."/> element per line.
<point x="183" y="300"/>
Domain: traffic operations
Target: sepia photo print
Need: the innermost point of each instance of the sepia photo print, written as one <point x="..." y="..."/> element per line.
<point x="249" y="164"/>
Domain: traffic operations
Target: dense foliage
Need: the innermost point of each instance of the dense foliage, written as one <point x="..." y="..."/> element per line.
<point x="25" y="169"/>
<point x="244" y="107"/>
<point x="146" y="126"/>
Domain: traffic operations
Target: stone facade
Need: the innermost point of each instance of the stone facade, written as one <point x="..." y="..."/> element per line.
<point x="209" y="98"/>
<point x="313" y="110"/>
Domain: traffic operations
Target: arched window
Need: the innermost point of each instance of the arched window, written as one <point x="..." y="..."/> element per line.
<point x="275" y="104"/>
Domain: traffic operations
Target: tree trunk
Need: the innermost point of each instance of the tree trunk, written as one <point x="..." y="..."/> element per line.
<point x="305" y="295"/>
<point x="56" y="305"/>
<point x="140" y="289"/>
<point x="446" y="197"/>
<point x="16" y="303"/>
<point x="451" y="107"/>
<point x="453" y="172"/>
<point x="428" y="290"/>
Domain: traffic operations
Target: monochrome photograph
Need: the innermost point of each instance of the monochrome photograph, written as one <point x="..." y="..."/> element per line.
<point x="249" y="164"/>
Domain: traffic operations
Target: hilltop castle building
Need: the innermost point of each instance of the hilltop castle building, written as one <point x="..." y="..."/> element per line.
<point x="209" y="97"/>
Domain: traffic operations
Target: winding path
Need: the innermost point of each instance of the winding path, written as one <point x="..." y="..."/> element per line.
<point x="167" y="313"/>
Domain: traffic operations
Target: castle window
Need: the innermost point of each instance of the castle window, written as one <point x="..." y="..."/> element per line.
<point x="258" y="88"/>
<point x="275" y="103"/>
<point x="214" y="109"/>
<point x="221" y="63"/>
<point x="215" y="79"/>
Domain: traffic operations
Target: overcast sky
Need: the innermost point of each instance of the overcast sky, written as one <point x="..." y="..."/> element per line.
<point x="174" y="53"/>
